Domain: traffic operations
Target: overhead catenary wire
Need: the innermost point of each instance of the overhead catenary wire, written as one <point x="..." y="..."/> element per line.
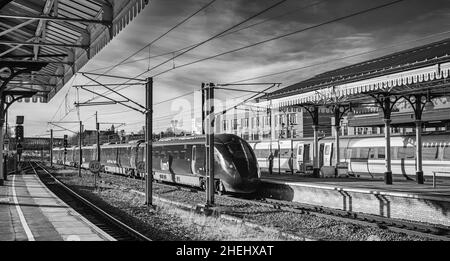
<point x="221" y="33"/>
<point x="210" y="38"/>
<point x="220" y="36"/>
<point x="280" y="36"/>
<point x="161" y="36"/>
<point x="302" y="67"/>
<point x="274" y="38"/>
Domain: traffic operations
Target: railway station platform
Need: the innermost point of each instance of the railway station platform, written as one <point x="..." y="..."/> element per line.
<point x="403" y="199"/>
<point x="29" y="211"/>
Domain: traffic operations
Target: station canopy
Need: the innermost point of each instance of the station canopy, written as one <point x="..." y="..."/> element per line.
<point x="50" y="40"/>
<point x="423" y="70"/>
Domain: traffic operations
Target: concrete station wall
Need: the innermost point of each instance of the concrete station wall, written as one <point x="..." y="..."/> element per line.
<point x="392" y="205"/>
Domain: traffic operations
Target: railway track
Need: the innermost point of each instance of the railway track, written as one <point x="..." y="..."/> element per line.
<point x="431" y="231"/>
<point x="100" y="218"/>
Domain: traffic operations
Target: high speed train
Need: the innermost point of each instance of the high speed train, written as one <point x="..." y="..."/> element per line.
<point x="178" y="160"/>
<point x="364" y="156"/>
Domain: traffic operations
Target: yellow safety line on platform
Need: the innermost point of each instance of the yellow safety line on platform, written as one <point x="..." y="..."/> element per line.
<point x="19" y="211"/>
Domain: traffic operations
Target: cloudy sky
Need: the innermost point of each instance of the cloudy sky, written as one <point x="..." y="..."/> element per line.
<point x="393" y="28"/>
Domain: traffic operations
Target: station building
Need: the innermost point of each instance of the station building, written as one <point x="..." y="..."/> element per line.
<point x="429" y="63"/>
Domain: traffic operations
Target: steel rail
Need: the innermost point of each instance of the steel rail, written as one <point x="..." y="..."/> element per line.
<point x="436" y="232"/>
<point x="98" y="210"/>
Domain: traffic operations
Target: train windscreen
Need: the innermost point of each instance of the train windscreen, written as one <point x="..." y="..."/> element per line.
<point x="243" y="157"/>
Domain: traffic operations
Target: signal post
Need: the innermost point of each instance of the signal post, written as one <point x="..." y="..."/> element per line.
<point x="208" y="123"/>
<point x="149" y="141"/>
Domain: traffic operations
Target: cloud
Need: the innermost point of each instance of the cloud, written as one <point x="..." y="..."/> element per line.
<point x="405" y="21"/>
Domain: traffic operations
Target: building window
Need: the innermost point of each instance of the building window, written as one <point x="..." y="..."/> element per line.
<point x="244" y="122"/>
<point x="292" y="118"/>
<point x="235" y="124"/>
<point x="224" y="125"/>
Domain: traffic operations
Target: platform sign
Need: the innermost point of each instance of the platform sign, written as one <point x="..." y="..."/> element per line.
<point x="94" y="166"/>
<point x="141" y="167"/>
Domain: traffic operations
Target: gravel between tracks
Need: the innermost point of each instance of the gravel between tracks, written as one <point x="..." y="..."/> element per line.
<point x="167" y="222"/>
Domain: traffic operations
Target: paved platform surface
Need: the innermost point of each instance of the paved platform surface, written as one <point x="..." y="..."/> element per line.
<point x="404" y="199"/>
<point x="399" y="185"/>
<point x="31" y="212"/>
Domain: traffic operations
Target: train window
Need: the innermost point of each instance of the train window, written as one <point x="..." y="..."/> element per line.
<point x="372" y="153"/>
<point x="363" y="153"/>
<point x="327" y="150"/>
<point x="447" y="153"/>
<point x="381" y="152"/>
<point x="285" y="153"/>
<point x="405" y="153"/>
<point x="440" y="153"/>
<point x="182" y="154"/>
<point x="275" y="154"/>
<point x="348" y="153"/>
<point x="430" y="153"/>
<point x="342" y="153"/>
<point x="194" y="152"/>
<point x="262" y="153"/>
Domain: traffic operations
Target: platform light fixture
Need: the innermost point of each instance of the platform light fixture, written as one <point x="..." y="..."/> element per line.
<point x="429" y="105"/>
<point x="350" y="114"/>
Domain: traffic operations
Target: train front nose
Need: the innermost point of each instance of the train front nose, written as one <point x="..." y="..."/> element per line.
<point x="241" y="184"/>
<point x="248" y="185"/>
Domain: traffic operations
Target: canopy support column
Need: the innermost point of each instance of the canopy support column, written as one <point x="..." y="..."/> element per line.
<point x="419" y="170"/>
<point x="387" y="135"/>
<point x="315" y="118"/>
<point x="339" y="111"/>
<point x="2" y="120"/>
<point x="419" y="102"/>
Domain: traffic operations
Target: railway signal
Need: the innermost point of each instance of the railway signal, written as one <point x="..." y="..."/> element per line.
<point x="19" y="133"/>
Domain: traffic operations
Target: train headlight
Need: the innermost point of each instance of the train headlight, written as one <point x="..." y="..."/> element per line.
<point x="231" y="166"/>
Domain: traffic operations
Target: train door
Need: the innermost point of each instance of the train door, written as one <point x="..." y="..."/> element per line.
<point x="262" y="152"/>
<point x="327" y="152"/>
<point x="300" y="162"/>
<point x="198" y="160"/>
<point x="164" y="154"/>
<point x="285" y="155"/>
<point x="306" y="153"/>
<point x="133" y="156"/>
<point x="180" y="163"/>
<point x="275" y="148"/>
